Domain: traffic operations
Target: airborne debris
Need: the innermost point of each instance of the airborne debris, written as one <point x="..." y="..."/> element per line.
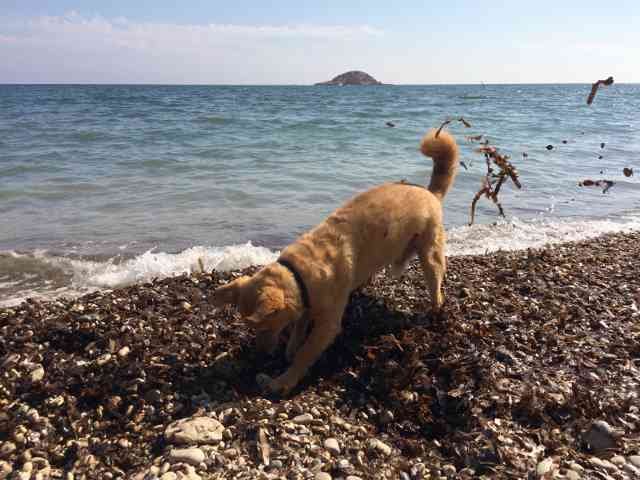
<point x="474" y="138"/>
<point x="549" y="147"/>
<point x="447" y="122"/>
<point x="390" y="124"/>
<point x="607" y="184"/>
<point x="492" y="182"/>
<point x="596" y="86"/>
<point x="628" y="172"/>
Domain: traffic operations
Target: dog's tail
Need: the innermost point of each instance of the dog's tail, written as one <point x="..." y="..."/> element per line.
<point x="442" y="148"/>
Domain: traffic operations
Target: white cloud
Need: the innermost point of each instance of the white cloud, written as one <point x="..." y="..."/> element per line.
<point x="75" y="48"/>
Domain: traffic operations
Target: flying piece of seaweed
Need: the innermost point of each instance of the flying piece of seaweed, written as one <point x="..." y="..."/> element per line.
<point x="447" y="122"/>
<point x="596" y="86"/>
<point x="606" y="184"/>
<point x="492" y="182"/>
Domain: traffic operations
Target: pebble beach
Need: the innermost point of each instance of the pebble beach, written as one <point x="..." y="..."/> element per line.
<point x="533" y="371"/>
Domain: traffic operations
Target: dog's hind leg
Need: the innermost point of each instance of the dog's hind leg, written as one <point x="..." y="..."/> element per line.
<point x="399" y="266"/>
<point x="434" y="264"/>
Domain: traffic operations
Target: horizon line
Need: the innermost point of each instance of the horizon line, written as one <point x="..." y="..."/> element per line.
<point x="143" y="84"/>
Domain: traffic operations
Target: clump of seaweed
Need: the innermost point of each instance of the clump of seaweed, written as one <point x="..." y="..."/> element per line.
<point x="606" y="184"/>
<point x="594" y="88"/>
<point x="493" y="181"/>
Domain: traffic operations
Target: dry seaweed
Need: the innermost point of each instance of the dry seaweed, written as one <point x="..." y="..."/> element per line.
<point x="447" y="122"/>
<point x="492" y="182"/>
<point x="594" y="88"/>
<point x="533" y="366"/>
<point x="628" y="172"/>
<point x="605" y="184"/>
<point x="474" y="138"/>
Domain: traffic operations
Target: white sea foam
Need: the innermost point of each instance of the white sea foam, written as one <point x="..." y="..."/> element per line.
<point x="517" y="235"/>
<point x="84" y="276"/>
<point x="87" y="276"/>
<point x="152" y="264"/>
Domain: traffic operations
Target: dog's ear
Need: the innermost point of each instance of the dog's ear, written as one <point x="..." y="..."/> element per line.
<point x="270" y="300"/>
<point x="229" y="293"/>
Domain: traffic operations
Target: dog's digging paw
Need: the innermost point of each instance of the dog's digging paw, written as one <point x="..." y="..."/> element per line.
<point x="278" y="386"/>
<point x="263" y="380"/>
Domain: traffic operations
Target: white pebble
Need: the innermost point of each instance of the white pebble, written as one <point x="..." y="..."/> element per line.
<point x="303" y="419"/>
<point x="332" y="445"/>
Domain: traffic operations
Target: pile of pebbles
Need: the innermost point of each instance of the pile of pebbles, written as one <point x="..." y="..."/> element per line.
<point x="532" y="372"/>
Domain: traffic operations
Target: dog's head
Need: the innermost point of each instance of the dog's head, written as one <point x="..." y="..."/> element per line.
<point x="268" y="301"/>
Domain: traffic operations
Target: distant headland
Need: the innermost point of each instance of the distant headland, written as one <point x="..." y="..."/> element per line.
<point x="354" y="77"/>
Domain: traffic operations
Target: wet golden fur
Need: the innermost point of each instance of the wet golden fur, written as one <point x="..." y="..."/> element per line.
<point x="386" y="225"/>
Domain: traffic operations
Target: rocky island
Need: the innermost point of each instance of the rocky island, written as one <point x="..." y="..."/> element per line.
<point x="354" y="77"/>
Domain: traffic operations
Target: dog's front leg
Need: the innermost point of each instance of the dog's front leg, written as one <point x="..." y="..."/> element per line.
<point x="267" y="341"/>
<point x="299" y="330"/>
<point x="325" y="328"/>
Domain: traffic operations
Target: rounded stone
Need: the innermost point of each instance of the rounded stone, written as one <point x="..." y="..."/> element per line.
<point x="5" y="469"/>
<point x="322" y="476"/>
<point x="37" y="374"/>
<point x="303" y="419"/>
<point x="7" y="449"/>
<point x="379" y="446"/>
<point x="576" y="467"/>
<point x="196" y="430"/>
<point x="572" y="475"/>
<point x="192" y="456"/>
<point x="332" y="445"/>
<point x="544" y="467"/>
<point x="618" y="460"/>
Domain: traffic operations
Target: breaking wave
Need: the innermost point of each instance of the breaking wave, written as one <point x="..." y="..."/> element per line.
<point x="41" y="275"/>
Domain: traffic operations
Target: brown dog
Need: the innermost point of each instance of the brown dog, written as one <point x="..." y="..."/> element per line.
<point x="311" y="282"/>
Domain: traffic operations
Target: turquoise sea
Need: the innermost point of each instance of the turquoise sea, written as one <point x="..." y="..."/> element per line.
<point x="102" y="186"/>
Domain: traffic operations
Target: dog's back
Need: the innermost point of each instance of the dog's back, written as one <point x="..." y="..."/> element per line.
<point x="378" y="227"/>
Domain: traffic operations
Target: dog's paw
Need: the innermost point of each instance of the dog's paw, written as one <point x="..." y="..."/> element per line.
<point x="439" y="314"/>
<point x="263" y="380"/>
<point x="275" y="386"/>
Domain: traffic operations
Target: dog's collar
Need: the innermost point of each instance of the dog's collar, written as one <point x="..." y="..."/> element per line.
<point x="304" y="293"/>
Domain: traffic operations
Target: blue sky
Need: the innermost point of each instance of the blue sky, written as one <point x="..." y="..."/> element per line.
<point x="295" y="42"/>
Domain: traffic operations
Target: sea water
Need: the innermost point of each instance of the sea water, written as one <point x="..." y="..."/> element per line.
<point x="104" y="186"/>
